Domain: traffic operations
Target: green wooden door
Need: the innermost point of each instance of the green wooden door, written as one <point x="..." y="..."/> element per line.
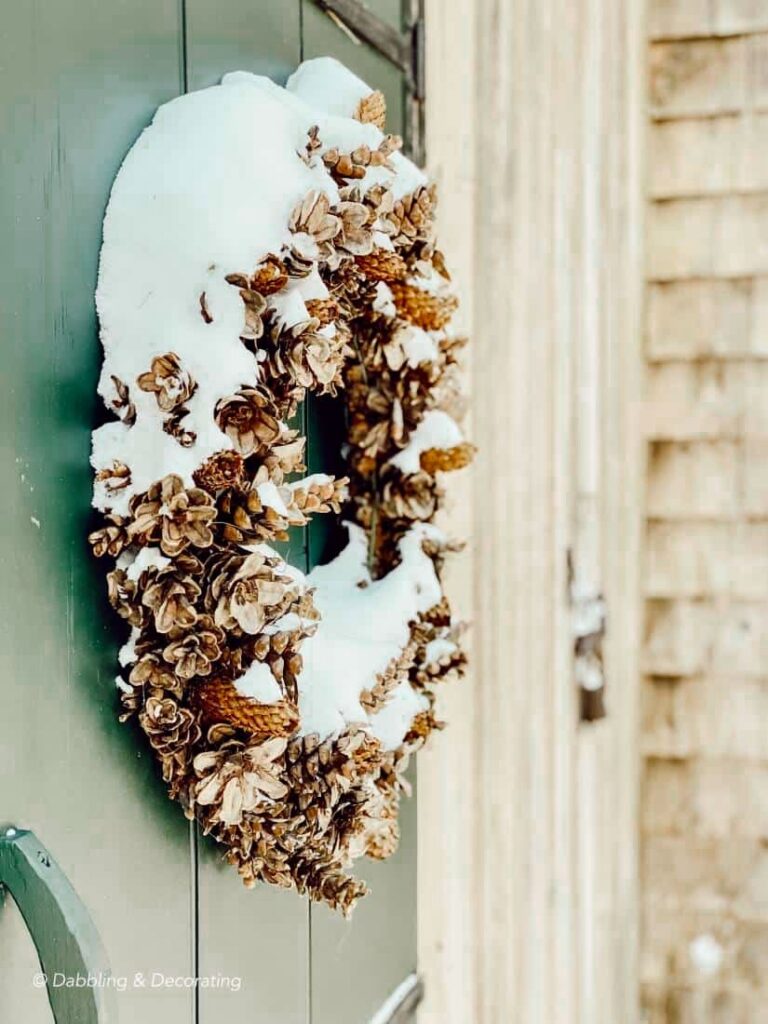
<point x="78" y="81"/>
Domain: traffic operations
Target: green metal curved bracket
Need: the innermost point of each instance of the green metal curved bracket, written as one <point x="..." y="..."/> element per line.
<point x="64" y="935"/>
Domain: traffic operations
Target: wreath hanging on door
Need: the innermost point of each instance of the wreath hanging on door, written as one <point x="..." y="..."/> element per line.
<point x="261" y="243"/>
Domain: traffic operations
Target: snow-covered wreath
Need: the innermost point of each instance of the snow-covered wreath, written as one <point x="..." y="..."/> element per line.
<point x="261" y="243"/>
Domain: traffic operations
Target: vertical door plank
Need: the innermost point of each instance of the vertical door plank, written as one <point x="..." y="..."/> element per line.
<point x="356" y="964"/>
<point x="260" y="936"/>
<point x="78" y="80"/>
<point x="242" y="35"/>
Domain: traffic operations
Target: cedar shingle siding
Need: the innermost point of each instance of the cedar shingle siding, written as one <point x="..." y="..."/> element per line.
<point x="705" y="657"/>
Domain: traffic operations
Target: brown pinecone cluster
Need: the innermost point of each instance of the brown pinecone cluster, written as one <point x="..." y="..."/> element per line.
<point x="213" y="665"/>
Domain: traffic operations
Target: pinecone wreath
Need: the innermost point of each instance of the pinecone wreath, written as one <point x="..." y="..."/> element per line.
<point x="259" y="245"/>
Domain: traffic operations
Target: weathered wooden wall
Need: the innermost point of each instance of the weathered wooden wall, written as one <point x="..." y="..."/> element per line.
<point x="705" y="698"/>
<point x="528" y="819"/>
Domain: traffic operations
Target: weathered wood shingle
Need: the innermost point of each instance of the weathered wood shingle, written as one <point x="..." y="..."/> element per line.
<point x="705" y="567"/>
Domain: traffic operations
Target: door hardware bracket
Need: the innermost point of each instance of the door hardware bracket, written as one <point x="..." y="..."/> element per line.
<point x="61" y="928"/>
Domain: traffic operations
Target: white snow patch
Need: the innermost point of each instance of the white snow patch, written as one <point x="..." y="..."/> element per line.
<point x="314" y="479"/>
<point x="363" y="628"/>
<point x="259" y="683"/>
<point x="394" y="720"/>
<point x="270" y="496"/>
<point x="290" y="308"/>
<point x="328" y="86"/>
<point x="384" y="302"/>
<point x="437" y="649"/>
<point x="430" y="282"/>
<point x="419" y="346"/>
<point x="312" y="287"/>
<point x="121" y="684"/>
<point x="436" y="430"/>
<point x="127" y="653"/>
<point x="144" y="558"/>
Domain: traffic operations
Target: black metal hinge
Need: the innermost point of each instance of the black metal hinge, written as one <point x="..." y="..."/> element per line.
<point x="404" y="48"/>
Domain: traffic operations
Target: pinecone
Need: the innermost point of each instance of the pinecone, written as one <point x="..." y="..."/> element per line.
<point x="356" y="235"/>
<point x="220" y="701"/>
<point x="409" y="221"/>
<point x="123" y="595"/>
<point x="325" y="311"/>
<point x="270" y="276"/>
<point x="172" y="731"/>
<point x="317" y="496"/>
<point x="301" y="358"/>
<point x="382" y="831"/>
<point x="221" y="471"/>
<point x="170" y="597"/>
<point x="280" y="650"/>
<point x="298" y="264"/>
<point x="150" y="673"/>
<point x="413" y="497"/>
<point x="383" y="265"/>
<point x="445" y="460"/>
<point x="236" y="778"/>
<point x="246" y="520"/>
<point x="172" y="516"/>
<point x="318" y="781"/>
<point x="396" y="672"/>
<point x="363" y="749"/>
<point x="247" y="591"/>
<point x="421" y="727"/>
<point x="372" y="109"/>
<point x="249" y="419"/>
<point x="110" y="539"/>
<point x="447" y="666"/>
<point x="352" y="166"/>
<point x="168" y="381"/>
<point x="326" y="883"/>
<point x="193" y="654"/>
<point x="424" y="309"/>
<point x="312" y="216"/>
<point x="353" y="290"/>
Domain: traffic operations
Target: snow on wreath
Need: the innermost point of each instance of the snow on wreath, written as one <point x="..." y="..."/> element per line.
<point x="261" y="243"/>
